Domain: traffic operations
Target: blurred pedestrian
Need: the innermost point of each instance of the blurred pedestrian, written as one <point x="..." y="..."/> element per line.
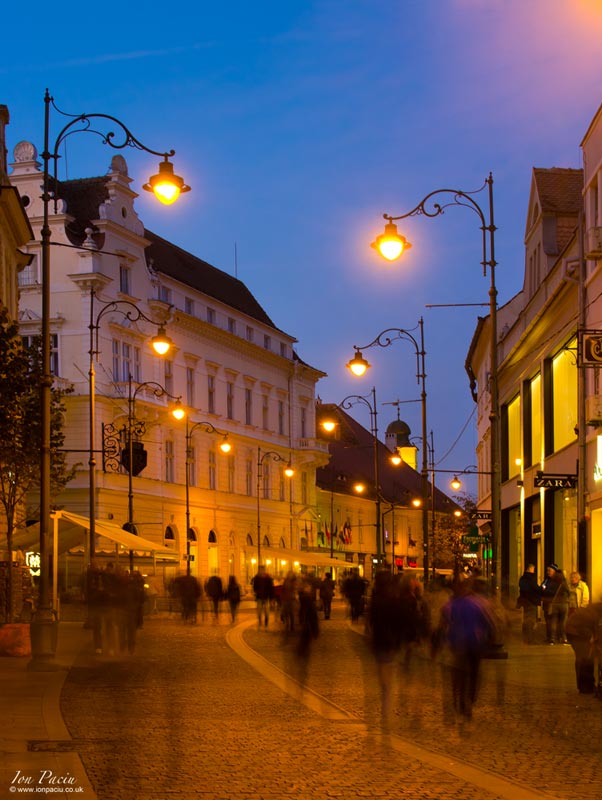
<point x="263" y="587"/>
<point x="354" y="590"/>
<point x="548" y="590"/>
<point x="579" y="592"/>
<point x="290" y="602"/>
<point x="584" y="632"/>
<point x="529" y="599"/>
<point x="384" y="625"/>
<point x="467" y="626"/>
<point x="189" y="591"/>
<point x="232" y="595"/>
<point x="308" y="618"/>
<point x="559" y="608"/>
<point x="214" y="589"/>
<point x="93" y="595"/>
<point x="326" y="594"/>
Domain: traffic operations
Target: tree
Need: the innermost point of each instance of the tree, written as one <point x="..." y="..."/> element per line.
<point x="451" y="533"/>
<point x="21" y="433"/>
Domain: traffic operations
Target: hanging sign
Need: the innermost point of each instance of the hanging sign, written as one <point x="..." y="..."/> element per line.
<point x="545" y="480"/>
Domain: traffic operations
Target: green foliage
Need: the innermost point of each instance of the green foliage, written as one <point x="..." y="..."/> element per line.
<point x="21" y="426"/>
<point x="449" y="547"/>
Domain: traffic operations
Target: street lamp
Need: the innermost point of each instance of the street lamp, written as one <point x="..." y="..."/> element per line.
<point x="43" y="629"/>
<point x="161" y="343"/>
<point x="288" y="471"/>
<point x="347" y="403"/>
<point x="358" y="366"/>
<point x="225" y="448"/>
<point x="391" y="245"/>
<point x="138" y="428"/>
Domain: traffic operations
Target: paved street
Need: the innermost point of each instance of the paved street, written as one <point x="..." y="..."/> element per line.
<point x="208" y="711"/>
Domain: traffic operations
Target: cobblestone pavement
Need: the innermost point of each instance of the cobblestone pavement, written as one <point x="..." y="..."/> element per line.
<point x="186" y="717"/>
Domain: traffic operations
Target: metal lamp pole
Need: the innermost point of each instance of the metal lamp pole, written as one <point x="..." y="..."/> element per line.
<point x="358" y="366"/>
<point x="138" y="428"/>
<point x="261" y="457"/>
<point x="133" y="314"/>
<point x="43" y="631"/>
<point x="209" y="428"/>
<point x="391" y="245"/>
<point x="346" y="403"/>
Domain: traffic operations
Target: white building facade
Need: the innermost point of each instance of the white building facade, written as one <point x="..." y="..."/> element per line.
<point x="235" y="372"/>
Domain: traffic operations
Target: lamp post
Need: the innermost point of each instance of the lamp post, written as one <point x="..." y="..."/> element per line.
<point x="166" y="186"/>
<point x="225" y="447"/>
<point x="161" y="344"/>
<point x="138" y="428"/>
<point x="358" y="366"/>
<point x="346" y="403"/>
<point x="391" y="245"/>
<point x="288" y="471"/>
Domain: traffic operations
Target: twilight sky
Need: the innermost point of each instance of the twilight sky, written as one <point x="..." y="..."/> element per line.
<point x="299" y="123"/>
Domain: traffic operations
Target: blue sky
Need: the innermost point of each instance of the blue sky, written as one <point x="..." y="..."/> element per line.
<point x="298" y="124"/>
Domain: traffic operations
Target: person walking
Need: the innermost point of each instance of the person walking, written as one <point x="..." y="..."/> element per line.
<point x="467" y="626"/>
<point x="384" y="625"/>
<point x="584" y="633"/>
<point x="233" y="595"/>
<point x="326" y="594"/>
<point x="263" y="588"/>
<point x="579" y="592"/>
<point x="548" y="590"/>
<point x="529" y="599"/>
<point x="214" y="589"/>
<point x="559" y="608"/>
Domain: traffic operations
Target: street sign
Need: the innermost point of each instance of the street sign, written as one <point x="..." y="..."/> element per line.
<point x="549" y="481"/>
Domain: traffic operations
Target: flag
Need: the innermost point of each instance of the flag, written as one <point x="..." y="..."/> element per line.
<point x="327" y="533"/>
<point x="347" y="532"/>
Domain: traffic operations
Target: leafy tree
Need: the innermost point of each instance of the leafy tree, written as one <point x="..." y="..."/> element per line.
<point x="449" y="533"/>
<point x="21" y="432"/>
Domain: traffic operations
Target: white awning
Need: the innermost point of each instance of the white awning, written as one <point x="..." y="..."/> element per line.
<point x="72" y="533"/>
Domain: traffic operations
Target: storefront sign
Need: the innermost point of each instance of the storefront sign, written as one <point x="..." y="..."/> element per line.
<point x="548" y="481"/>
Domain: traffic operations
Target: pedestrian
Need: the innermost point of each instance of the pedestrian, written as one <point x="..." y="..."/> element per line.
<point x="263" y="587"/>
<point x="188" y="589"/>
<point x="579" y="592"/>
<point x="354" y="589"/>
<point x="232" y="595"/>
<point x="548" y="590"/>
<point x="384" y="625"/>
<point x="584" y="632"/>
<point x="131" y="604"/>
<point x="559" y="608"/>
<point x="468" y="627"/>
<point x="214" y="589"/>
<point x="94" y="596"/>
<point x="308" y="618"/>
<point x="326" y="594"/>
<point x="529" y="599"/>
<point x="290" y="602"/>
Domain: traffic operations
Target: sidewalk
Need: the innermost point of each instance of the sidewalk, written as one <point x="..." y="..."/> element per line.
<point x="36" y="751"/>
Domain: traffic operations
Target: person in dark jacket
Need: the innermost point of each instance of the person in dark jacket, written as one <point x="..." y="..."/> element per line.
<point x="326" y="594"/>
<point x="263" y="587"/>
<point x="584" y="632"/>
<point x="529" y="598"/>
<point x="548" y="590"/>
<point x="232" y="595"/>
<point x="214" y="589"/>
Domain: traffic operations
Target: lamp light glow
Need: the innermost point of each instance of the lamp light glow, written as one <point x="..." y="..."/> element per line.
<point x="358" y="364"/>
<point x="390" y="244"/>
<point x="166" y="185"/>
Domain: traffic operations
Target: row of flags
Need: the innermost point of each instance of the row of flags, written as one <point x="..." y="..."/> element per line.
<point x="344" y="535"/>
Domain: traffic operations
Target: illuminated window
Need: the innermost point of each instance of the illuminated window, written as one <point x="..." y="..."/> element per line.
<point x="536" y="437"/>
<point x="513" y="453"/>
<point x="564" y="385"/>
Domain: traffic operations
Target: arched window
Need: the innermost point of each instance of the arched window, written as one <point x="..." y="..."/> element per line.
<point x="212" y="539"/>
<point x="249" y="539"/>
<point x="169" y="538"/>
<point x="266" y="541"/>
<point x="282" y="543"/>
<point x="191" y="535"/>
